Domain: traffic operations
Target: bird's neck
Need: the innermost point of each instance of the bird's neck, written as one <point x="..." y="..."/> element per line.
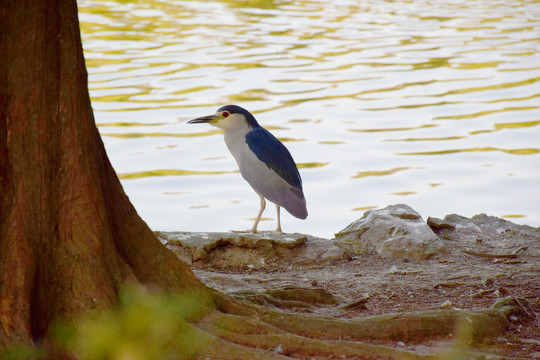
<point x="236" y="134"/>
<point x="235" y="138"/>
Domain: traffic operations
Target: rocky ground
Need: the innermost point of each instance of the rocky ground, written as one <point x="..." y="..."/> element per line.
<point x="389" y="261"/>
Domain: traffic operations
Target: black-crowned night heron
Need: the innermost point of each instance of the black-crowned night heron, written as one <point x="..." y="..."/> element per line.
<point x="264" y="162"/>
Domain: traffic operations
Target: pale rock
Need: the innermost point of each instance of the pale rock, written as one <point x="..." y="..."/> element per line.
<point x="482" y="230"/>
<point x="396" y="231"/>
<point x="250" y="250"/>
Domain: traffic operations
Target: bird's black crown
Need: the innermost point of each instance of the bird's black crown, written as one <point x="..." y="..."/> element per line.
<point x="235" y="109"/>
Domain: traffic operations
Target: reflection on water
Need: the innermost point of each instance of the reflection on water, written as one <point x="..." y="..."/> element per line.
<point x="169" y="172"/>
<point x="433" y="104"/>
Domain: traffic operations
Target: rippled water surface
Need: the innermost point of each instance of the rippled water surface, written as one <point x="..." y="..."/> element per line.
<point x="435" y="104"/>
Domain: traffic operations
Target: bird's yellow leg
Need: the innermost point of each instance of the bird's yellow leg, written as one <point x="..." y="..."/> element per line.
<point x="278" y="219"/>
<point x="263" y="206"/>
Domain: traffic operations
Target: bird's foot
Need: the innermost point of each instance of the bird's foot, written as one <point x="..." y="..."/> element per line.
<point x="245" y="231"/>
<point x="251" y="231"/>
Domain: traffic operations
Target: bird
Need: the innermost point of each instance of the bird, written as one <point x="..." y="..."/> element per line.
<point x="264" y="162"/>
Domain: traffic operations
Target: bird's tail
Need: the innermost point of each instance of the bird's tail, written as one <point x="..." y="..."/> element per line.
<point x="296" y="204"/>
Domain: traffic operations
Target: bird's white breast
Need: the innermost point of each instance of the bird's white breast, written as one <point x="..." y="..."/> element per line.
<point x="236" y="142"/>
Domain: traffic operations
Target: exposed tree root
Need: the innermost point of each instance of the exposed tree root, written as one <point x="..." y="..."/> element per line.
<point x="253" y="333"/>
<point x="290" y="297"/>
<point x="220" y="347"/>
<point x="402" y="326"/>
<point x="485" y="323"/>
<point x="305" y="335"/>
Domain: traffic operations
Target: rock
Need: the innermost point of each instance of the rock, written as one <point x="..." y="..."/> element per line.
<point x="249" y="250"/>
<point x="201" y="244"/>
<point x="438" y="225"/>
<point x="482" y="229"/>
<point x="396" y="231"/>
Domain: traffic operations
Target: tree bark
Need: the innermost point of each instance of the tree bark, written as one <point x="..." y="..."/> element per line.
<point x="69" y="237"/>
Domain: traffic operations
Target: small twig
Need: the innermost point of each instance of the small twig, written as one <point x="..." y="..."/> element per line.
<point x="491" y="256"/>
<point x="510" y="262"/>
<point x="518" y="303"/>
<point x="396" y="271"/>
<point x="483" y="292"/>
<point x="457" y="277"/>
<point x="520" y="249"/>
<point x="262" y="280"/>
<point x="448" y="285"/>
<point x="358" y="303"/>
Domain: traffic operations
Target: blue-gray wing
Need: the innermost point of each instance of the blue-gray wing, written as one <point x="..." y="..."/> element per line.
<point x="275" y="155"/>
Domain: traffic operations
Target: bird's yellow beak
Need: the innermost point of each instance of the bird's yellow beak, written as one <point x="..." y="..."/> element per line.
<point x="204" y="119"/>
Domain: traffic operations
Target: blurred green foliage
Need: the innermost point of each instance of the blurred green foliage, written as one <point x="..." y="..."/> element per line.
<point x="463" y="339"/>
<point x="144" y="325"/>
<point x="21" y="352"/>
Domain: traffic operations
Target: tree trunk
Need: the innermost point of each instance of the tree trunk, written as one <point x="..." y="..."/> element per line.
<point x="69" y="237"/>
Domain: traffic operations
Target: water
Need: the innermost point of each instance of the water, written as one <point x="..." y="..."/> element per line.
<point x="435" y="104"/>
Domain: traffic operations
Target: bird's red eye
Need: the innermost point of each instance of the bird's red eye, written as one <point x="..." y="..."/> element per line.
<point x="226" y="114"/>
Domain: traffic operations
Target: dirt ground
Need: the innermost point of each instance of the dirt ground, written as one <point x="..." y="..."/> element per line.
<point x="474" y="274"/>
